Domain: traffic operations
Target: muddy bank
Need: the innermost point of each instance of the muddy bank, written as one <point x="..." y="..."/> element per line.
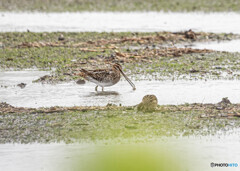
<point x="107" y="40"/>
<point x="71" y="124"/>
<point x="181" y="64"/>
<point x="154" y="55"/>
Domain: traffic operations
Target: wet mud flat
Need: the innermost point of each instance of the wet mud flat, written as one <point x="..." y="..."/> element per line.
<point x="49" y="107"/>
<point x="155" y="58"/>
<point x="142" y="55"/>
<point x="76" y="124"/>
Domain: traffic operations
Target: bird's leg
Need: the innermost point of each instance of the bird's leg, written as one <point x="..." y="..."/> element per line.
<point x="96" y="88"/>
<point x="102" y="88"/>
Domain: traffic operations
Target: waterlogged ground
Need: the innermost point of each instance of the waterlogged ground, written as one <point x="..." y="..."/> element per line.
<point x="228" y="46"/>
<point x="71" y="124"/>
<point x="152" y="56"/>
<point x="188" y="135"/>
<point x="17" y="89"/>
<point x="144" y="56"/>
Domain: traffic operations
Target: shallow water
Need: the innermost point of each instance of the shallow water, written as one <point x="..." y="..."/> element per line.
<point x="196" y="152"/>
<point x="24" y="157"/>
<point x="71" y="94"/>
<point x="120" y="21"/>
<point x="11" y="78"/>
<point x="228" y="46"/>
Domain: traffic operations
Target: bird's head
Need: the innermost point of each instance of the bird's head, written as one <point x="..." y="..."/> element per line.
<point x="117" y="66"/>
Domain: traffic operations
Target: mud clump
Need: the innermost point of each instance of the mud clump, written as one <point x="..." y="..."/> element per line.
<point x="22" y="85"/>
<point x="223" y="104"/>
<point x="61" y="38"/>
<point x="225" y="101"/>
<point x="149" y="104"/>
<point x="46" y="79"/>
<point x="5" y="105"/>
<point x="80" y="81"/>
<point x="190" y="35"/>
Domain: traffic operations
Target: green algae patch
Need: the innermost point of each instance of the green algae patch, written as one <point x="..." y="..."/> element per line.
<point x="142" y="55"/>
<point x="73" y="124"/>
<point x="123" y="5"/>
<point x="203" y="66"/>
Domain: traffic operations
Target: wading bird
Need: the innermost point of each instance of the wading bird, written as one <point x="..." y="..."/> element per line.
<point x="105" y="77"/>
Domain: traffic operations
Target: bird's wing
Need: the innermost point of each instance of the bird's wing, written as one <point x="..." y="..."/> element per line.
<point x="98" y="74"/>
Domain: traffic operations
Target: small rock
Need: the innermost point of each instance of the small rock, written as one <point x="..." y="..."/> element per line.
<point x="223" y="104"/>
<point x="190" y="35"/>
<point x="225" y="101"/>
<point x="149" y="103"/>
<point x="61" y="37"/>
<point x="80" y="81"/>
<point x="22" y="85"/>
<point x="5" y="105"/>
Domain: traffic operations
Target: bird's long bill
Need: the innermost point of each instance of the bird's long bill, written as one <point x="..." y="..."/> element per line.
<point x="129" y="81"/>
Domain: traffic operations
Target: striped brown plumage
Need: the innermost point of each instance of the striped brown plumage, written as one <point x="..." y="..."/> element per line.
<point x="105" y="77"/>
